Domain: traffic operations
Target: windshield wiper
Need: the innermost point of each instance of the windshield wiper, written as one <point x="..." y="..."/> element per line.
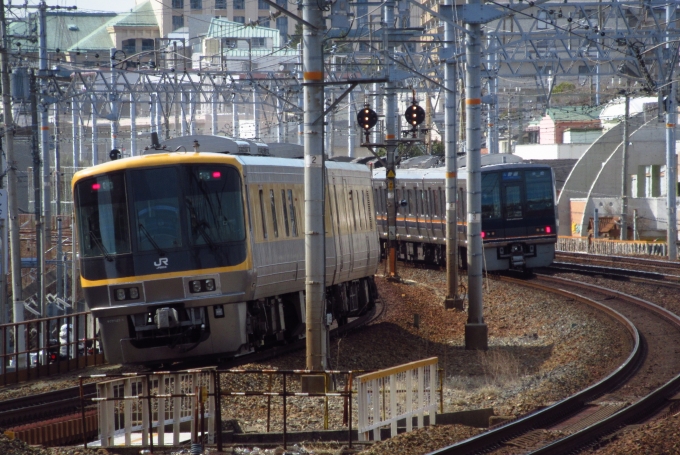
<point x="101" y="247"/>
<point x="151" y="240"/>
<point x="198" y="224"/>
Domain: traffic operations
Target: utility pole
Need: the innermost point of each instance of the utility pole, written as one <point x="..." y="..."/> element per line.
<point x="476" y="330"/>
<point x="314" y="178"/>
<point x="37" y="195"/>
<point x="624" y="169"/>
<point x="114" y="100"/>
<point x="391" y="138"/>
<point x="452" y="299"/>
<point x="44" y="133"/>
<point x="12" y="188"/>
<point x="351" y="132"/>
<point x="671" y="159"/>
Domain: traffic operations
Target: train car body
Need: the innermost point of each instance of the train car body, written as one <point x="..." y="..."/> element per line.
<point x="519" y="220"/>
<point x="201" y="255"/>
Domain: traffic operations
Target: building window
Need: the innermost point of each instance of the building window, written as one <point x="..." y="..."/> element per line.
<point x="239" y="4"/>
<point x="264" y="21"/>
<point x="196" y="4"/>
<point x="130" y="46"/>
<point x="240" y="19"/>
<point x="220" y="4"/>
<point x="282" y="26"/>
<point x="178" y="4"/>
<point x="177" y="22"/>
<point x="147" y="45"/>
<point x="282" y="2"/>
<point x="261" y="4"/>
<point x="258" y="42"/>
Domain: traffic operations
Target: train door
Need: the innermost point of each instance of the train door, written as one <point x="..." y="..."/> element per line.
<point x="331" y="208"/>
<point x="339" y="220"/>
<point x="512" y="186"/>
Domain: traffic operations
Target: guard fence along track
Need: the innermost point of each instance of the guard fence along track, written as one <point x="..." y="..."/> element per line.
<point x="35" y="417"/>
<point x="639" y="388"/>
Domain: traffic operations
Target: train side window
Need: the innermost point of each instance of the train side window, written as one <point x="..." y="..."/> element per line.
<point x="442" y="201"/>
<point x="264" y="219"/>
<point x="354" y="212"/>
<point x="411" y="208"/>
<point x="397" y="200"/>
<point x="285" y="212"/>
<point x="291" y="207"/>
<point x="273" y="204"/>
<point x="435" y="202"/>
<point x="427" y="210"/>
<point x="419" y="202"/>
<point x="362" y="221"/>
<point x="376" y="193"/>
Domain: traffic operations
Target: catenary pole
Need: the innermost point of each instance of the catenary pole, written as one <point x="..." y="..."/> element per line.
<point x="624" y="169"/>
<point x="12" y="189"/>
<point x="671" y="158"/>
<point x="476" y="331"/>
<point x="452" y="299"/>
<point x="315" y="248"/>
<point x="44" y="131"/>
<point x="391" y="142"/>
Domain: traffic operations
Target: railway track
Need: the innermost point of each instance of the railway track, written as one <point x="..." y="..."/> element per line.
<point x="43" y="409"/>
<point x="646" y="267"/>
<point x="642" y="387"/>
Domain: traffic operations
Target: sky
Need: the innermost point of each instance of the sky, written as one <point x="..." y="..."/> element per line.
<point x="118" y="6"/>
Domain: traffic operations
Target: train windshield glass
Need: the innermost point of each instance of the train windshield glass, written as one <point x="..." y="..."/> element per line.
<point x="102" y="212"/>
<point x="214" y="205"/>
<point x="491" y="196"/>
<point x="539" y="190"/>
<point x="156" y="195"/>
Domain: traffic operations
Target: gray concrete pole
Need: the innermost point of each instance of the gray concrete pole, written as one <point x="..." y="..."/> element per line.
<point x="476" y="331"/>
<point x="671" y="158"/>
<point x="452" y="299"/>
<point x="279" y="111"/>
<point x="331" y="136"/>
<point x="114" y="100"/>
<point x="192" y="112"/>
<point x="133" y="125"/>
<point x="671" y="172"/>
<point x="95" y="133"/>
<point x="75" y="130"/>
<point x="377" y="107"/>
<point x="45" y="129"/>
<point x="82" y="152"/>
<point x="301" y="102"/>
<point x="12" y="190"/>
<point x="624" y="170"/>
<point x="152" y="113"/>
<point x="351" y="131"/>
<point x="213" y="111"/>
<point x="391" y="138"/>
<point x="315" y="245"/>
<point x="183" y="112"/>
<point x="234" y="113"/>
<point x="256" y="112"/>
<point x="159" y="114"/>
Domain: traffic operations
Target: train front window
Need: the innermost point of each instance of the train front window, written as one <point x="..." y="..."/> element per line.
<point x="513" y="202"/>
<point x="102" y="212"/>
<point x="156" y="209"/>
<point x="491" y="196"/>
<point x="214" y="205"/>
<point x="540" y="200"/>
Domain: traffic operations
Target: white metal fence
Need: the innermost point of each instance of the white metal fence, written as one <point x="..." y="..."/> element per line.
<point x="611" y="247"/>
<point x="401" y="392"/>
<point x="141" y="409"/>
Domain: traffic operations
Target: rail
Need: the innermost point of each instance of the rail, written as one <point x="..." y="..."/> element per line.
<point x="401" y="392"/>
<point x="611" y="247"/>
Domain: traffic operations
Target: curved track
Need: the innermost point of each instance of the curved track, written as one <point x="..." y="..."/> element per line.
<point x="639" y="388"/>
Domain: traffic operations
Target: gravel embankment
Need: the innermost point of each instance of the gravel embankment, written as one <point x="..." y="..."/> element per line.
<point x="542" y="348"/>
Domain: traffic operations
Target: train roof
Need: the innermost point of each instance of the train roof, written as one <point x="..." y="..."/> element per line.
<point x="161" y="158"/>
<point x="440" y="172"/>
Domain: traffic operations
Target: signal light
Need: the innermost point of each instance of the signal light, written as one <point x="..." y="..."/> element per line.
<point x="415" y="115"/>
<point x="367" y="118"/>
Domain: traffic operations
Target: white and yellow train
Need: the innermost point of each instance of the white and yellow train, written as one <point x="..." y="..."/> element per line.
<point x="190" y="255"/>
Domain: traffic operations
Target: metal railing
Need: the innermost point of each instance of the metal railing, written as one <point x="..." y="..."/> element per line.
<point x="401" y="392"/>
<point x="611" y="247"/>
<point x="41" y="347"/>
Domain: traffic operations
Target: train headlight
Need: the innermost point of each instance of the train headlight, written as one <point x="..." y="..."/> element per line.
<point x="196" y="286"/>
<point x="210" y="285"/>
<point x="120" y="294"/>
<point x="134" y="293"/>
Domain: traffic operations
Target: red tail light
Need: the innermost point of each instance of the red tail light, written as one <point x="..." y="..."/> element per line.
<point x="548" y="229"/>
<point x="483" y="234"/>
